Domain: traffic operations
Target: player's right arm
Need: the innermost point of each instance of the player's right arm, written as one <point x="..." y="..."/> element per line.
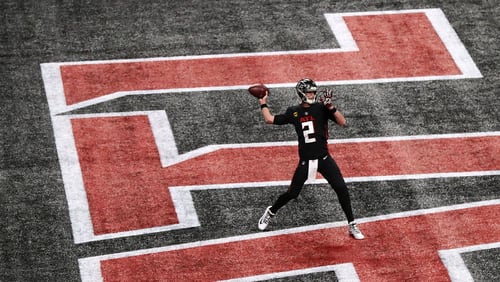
<point x="266" y="113"/>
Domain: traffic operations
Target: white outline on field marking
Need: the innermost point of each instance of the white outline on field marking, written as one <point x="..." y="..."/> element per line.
<point x="345" y="272"/>
<point x="212" y="148"/>
<point x="181" y="195"/>
<point x="74" y="187"/>
<point x="186" y="211"/>
<point x="452" y="260"/>
<point x="90" y="269"/>
<point x="57" y="102"/>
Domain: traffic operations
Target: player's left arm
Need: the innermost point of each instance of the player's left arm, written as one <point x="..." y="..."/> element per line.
<point x="327" y="100"/>
<point x="339" y="117"/>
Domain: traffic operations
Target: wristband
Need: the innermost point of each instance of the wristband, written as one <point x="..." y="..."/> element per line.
<point x="263" y="106"/>
<point x="333" y="110"/>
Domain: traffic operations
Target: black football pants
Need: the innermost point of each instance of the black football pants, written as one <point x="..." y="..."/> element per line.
<point x="330" y="171"/>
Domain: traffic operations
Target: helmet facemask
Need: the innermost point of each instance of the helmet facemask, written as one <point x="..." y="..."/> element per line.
<point x="304" y="86"/>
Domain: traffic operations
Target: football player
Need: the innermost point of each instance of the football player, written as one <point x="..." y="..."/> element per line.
<point x="310" y="119"/>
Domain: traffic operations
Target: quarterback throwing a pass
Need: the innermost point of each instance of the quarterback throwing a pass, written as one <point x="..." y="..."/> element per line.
<point x="310" y="119"/>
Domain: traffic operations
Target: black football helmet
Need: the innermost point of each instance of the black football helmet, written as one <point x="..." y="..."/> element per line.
<point x="304" y="86"/>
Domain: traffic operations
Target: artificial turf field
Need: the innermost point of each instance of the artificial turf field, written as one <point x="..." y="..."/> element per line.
<point x="131" y="150"/>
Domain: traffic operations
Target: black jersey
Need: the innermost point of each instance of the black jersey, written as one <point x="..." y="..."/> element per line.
<point x="311" y="125"/>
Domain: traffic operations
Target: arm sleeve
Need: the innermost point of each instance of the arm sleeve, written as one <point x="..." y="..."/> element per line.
<point x="280" y="119"/>
<point x="285" y="118"/>
<point x="330" y="114"/>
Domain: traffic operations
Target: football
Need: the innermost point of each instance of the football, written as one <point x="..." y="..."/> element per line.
<point x="258" y="90"/>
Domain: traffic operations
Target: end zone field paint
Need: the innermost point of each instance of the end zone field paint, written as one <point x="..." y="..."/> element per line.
<point x="375" y="47"/>
<point x="415" y="238"/>
<point x="126" y="185"/>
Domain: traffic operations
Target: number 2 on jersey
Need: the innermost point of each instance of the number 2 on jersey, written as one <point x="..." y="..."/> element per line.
<point x="308" y="130"/>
